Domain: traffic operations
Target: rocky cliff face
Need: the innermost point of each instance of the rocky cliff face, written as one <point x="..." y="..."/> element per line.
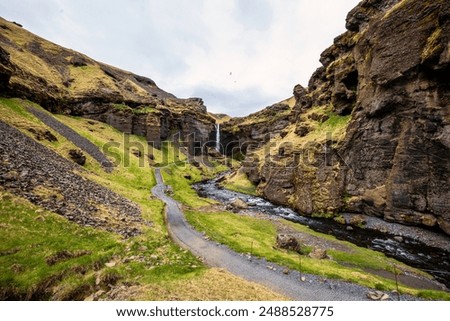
<point x="65" y="81"/>
<point x="403" y="116"/>
<point x="253" y="131"/>
<point x="371" y="133"/>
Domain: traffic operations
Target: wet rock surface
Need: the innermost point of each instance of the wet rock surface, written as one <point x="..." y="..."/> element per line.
<point x="36" y="173"/>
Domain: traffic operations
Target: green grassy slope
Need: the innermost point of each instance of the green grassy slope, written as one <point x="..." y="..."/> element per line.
<point x="44" y="256"/>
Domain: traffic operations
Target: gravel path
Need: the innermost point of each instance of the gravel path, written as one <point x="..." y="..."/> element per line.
<point x="313" y="289"/>
<point x="81" y="142"/>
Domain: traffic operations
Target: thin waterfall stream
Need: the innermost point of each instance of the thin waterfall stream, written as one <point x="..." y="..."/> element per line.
<point x="218" y="137"/>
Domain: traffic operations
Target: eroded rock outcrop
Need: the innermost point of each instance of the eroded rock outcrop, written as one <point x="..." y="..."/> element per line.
<point x="398" y="144"/>
<point x="255" y="130"/>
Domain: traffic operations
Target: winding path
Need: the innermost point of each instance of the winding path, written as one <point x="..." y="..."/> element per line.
<point x="255" y="270"/>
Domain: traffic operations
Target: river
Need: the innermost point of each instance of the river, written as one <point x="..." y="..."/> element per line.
<point x="409" y="249"/>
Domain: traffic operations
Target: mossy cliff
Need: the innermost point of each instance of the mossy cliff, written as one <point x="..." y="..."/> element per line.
<point x="65" y="81"/>
<point x="371" y="133"/>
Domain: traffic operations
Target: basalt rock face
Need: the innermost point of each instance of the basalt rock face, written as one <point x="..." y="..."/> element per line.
<point x="65" y="81"/>
<point x="371" y="133"/>
<point x="398" y="144"/>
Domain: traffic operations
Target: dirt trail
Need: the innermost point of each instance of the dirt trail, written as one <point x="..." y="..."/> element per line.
<point x="313" y="289"/>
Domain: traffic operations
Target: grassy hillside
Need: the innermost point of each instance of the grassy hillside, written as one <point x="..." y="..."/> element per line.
<point x="44" y="256"/>
<point x="346" y="261"/>
<point x="43" y="70"/>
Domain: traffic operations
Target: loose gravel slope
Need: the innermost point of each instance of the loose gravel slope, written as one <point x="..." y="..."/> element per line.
<point x="73" y="136"/>
<point x="31" y="170"/>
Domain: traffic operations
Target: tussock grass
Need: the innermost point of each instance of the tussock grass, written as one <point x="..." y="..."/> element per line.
<point x="215" y="284"/>
<point x="88" y="78"/>
<point x="36" y="66"/>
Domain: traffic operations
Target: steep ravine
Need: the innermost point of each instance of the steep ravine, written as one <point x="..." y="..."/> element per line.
<point x="369" y="135"/>
<point x="254" y="269"/>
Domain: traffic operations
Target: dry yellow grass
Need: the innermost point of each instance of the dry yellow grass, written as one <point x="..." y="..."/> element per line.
<point x="36" y="66"/>
<point x="134" y="88"/>
<point x="215" y="284"/>
<point x="88" y="78"/>
<point x="47" y="192"/>
<point x="395" y="8"/>
<point x="290" y="102"/>
<point x="21" y="56"/>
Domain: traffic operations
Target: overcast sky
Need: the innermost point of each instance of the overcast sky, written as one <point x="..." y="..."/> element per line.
<point x="238" y="55"/>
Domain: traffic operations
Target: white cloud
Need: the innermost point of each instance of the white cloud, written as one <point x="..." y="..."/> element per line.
<point x="191" y="47"/>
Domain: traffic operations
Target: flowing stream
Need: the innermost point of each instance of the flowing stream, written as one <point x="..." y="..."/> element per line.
<point x="408" y="249"/>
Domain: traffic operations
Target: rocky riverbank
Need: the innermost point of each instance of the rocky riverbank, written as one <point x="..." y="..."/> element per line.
<point x="427" y="250"/>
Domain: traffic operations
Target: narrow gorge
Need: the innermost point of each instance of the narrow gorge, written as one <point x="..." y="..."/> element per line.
<point x="362" y="153"/>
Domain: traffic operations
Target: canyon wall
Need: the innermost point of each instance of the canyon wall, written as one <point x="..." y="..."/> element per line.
<point x="371" y="133"/>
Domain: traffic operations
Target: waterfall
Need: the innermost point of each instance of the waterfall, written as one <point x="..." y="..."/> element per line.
<point x="218" y="137"/>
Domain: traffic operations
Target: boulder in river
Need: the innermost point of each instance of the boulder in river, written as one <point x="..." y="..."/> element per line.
<point x="239" y="204"/>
